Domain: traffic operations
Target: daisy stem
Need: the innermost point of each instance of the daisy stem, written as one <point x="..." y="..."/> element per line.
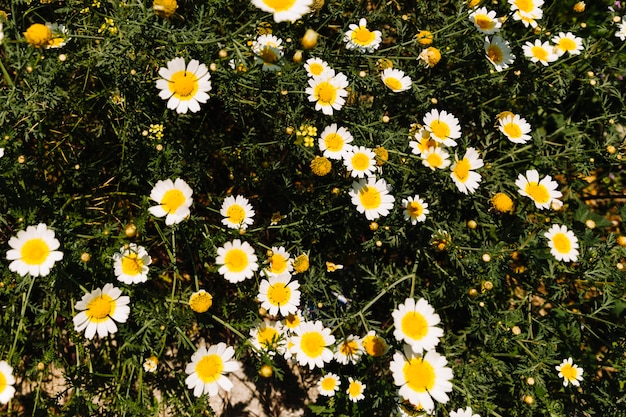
<point x="25" y="299"/>
<point x="6" y="75"/>
<point x="383" y="292"/>
<point x="229" y="327"/>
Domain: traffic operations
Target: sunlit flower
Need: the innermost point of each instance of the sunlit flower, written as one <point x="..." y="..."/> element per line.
<point x="465" y="179"/>
<point x="563" y="243"/>
<point x="100" y="309"/>
<point x="309" y="40"/>
<point x="540" y="52"/>
<point x="315" y="67"/>
<point x="567" y="42"/>
<point x="421" y="378"/>
<point x="542" y="192"/>
<point x="355" y="390"/>
<point x="334" y="141"/>
<point x="33" y="251"/>
<point x="311" y="343"/>
<point x="268" y="51"/>
<point x="165" y="8"/>
<point x="284" y="10"/>
<point x="280" y="261"/>
<point x="301" y="263"/>
<point x="424" y="37"/>
<point x="443" y="127"/>
<point x="237" y="212"/>
<point x="502" y="203"/>
<point x="292" y="320"/>
<point x="237" y="261"/>
<point x="38" y="35"/>
<point x="328" y="91"/>
<point x="436" y="158"/>
<point x="415" y="209"/>
<point x="349" y="350"/>
<point x="1" y="39"/>
<point x="268" y="337"/>
<point x="415" y="324"/>
<point x="208" y="367"/>
<point x="361" y="38"/>
<point x="328" y="385"/>
<point x="371" y="197"/>
<point x="395" y="80"/>
<point x="621" y="31"/>
<point x="7" y="391"/>
<point x="431" y="56"/>
<point x="200" y="301"/>
<point x="130" y="264"/>
<point x="174" y="200"/>
<point x="580" y="7"/>
<point x="184" y="87"/>
<point x="570" y="372"/>
<point x="374" y="345"/>
<point x="321" y="166"/>
<point x="498" y="52"/>
<point x="526" y="10"/>
<point x="485" y="20"/>
<point x="59" y="35"/>
<point x="151" y="364"/>
<point x="463" y="413"/>
<point x="515" y="128"/>
<point x="278" y="293"/>
<point x="359" y="161"/>
<point x="422" y="141"/>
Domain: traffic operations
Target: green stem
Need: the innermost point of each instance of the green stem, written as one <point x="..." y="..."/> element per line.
<point x="25" y="299"/>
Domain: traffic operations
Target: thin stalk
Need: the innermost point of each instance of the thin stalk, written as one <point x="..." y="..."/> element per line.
<point x="25" y="299"/>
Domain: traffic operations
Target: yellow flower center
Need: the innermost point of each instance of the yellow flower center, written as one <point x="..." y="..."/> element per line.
<point x="484" y="22"/>
<point x="280" y="5"/>
<point x="165" y="8"/>
<point x="35" y="251"/>
<point x="325" y="93"/>
<point x="301" y="263"/>
<point x="278" y="263"/>
<point x="502" y="203"/>
<point x="131" y="264"/>
<point x="312" y="344"/>
<point x="172" y="200"/>
<point x="316" y="68"/>
<point x="512" y="130"/>
<point x="354" y="390"/>
<point x="462" y="169"/>
<point x="440" y="129"/>
<point x="538" y="192"/>
<point x="567" y="44"/>
<point x="539" y="52"/>
<point x="562" y="244"/>
<point x="292" y="321"/>
<point x="525" y="5"/>
<point x="200" y="301"/>
<point x="362" y="36"/>
<point x="269" y="55"/>
<point x="184" y="85"/>
<point x="267" y="336"/>
<point x="393" y="83"/>
<point x="236" y="260"/>
<point x="279" y="294"/>
<point x="419" y="375"/>
<point x="100" y="308"/>
<point x="434" y="160"/>
<point x="333" y="142"/>
<point x="236" y="214"/>
<point x="414" y="209"/>
<point x="209" y="368"/>
<point x="495" y="54"/>
<point x="414" y="325"/>
<point x="3" y="382"/>
<point x="569" y="372"/>
<point x="374" y="345"/>
<point x="360" y="161"/>
<point x="370" y="197"/>
<point x="328" y="384"/>
<point x="38" y="35"/>
<point x="349" y="347"/>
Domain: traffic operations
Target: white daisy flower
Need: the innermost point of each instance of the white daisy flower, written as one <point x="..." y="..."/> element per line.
<point x="310" y="344"/>
<point x="33" y="251"/>
<point x="99" y="310"/>
<point x="361" y="38"/>
<point x="315" y="67"/>
<point x="284" y="10"/>
<point x="563" y="243"/>
<point x="279" y="294"/>
<point x="465" y="179"/>
<point x="269" y="51"/>
<point x="436" y="158"/>
<point x="174" y="200"/>
<point x="422" y="142"/>
<point x="443" y="126"/>
<point x="570" y="372"/>
<point x="543" y="192"/>
<point x="355" y="390"/>
<point x="540" y="52"/>
<point x="130" y="264"/>
<point x="328" y="91"/>
<point x="349" y="350"/>
<point x="485" y="20"/>
<point x="567" y="42"/>
<point x="415" y="209"/>
<point x="527" y="10"/>
<point x="208" y="367"/>
<point x="515" y="128"/>
<point x="328" y="385"/>
<point x="268" y="337"/>
<point x="498" y="52"/>
<point x="237" y="261"/>
<point x="395" y="80"/>
<point x="1" y="152"/>
<point x="237" y="212"/>
<point x="292" y="320"/>
<point x="334" y="141"/>
<point x="463" y="413"/>
<point x="415" y="324"/>
<point x="184" y="87"/>
<point x="7" y="391"/>
<point x="359" y="161"/>
<point x="280" y="262"/>
<point x="621" y="31"/>
<point x="371" y="197"/>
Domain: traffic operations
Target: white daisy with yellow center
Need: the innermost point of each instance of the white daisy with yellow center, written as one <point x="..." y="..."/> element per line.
<point x="315" y="67"/>
<point x="99" y="310"/>
<point x="422" y="378"/>
<point x="540" y="52"/>
<point x="415" y="324"/>
<point x="396" y="80"/>
<point x="498" y="52"/>
<point x="7" y="391"/>
<point x="130" y="264"/>
<point x="284" y="10"/>
<point x="443" y="126"/>
<point x="334" y="141"/>
<point x="361" y="38"/>
<point x="463" y="174"/>
<point x="527" y="11"/>
<point x="621" y="31"/>
<point x="356" y="390"/>
<point x="237" y="261"/>
<point x="485" y="20"/>
<point x="563" y="243"/>
<point x="422" y="142"/>
<point x="436" y="158"/>
<point x="268" y="52"/>
<point x="468" y="412"/>
<point x="329" y="384"/>
<point x="543" y="192"/>
<point x="359" y="161"/>
<point x="310" y="344"/>
<point x="515" y="128"/>
<point x="328" y="91"/>
<point x="237" y="212"/>
<point x="292" y="321"/>
<point x="280" y="261"/>
<point x="415" y="209"/>
<point x="349" y="350"/>
<point x="184" y="87"/>
<point x="173" y="199"/>
<point x="570" y="372"/>
<point x="278" y="293"/>
<point x="371" y="197"/>
<point x="567" y="42"/>
<point x="268" y="337"/>
<point x="208" y="367"/>
<point x="33" y="251"/>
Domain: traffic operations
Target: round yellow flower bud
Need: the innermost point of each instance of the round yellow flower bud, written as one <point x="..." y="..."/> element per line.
<point x="580" y="7"/>
<point x="621" y="240"/>
<point x="85" y="257"/>
<point x="317" y="5"/>
<point x="165" y="8"/>
<point x="297" y="56"/>
<point x="309" y="40"/>
<point x="424" y="37"/>
<point x="528" y="399"/>
<point x="486" y="258"/>
<point x="266" y="371"/>
<point x="516" y="330"/>
<point x="321" y="166"/>
<point x="373" y="226"/>
<point x="301" y="263"/>
<point x="611" y="149"/>
<point x="502" y="203"/>
<point x="130" y="231"/>
<point x="472" y="224"/>
<point x="473" y="292"/>
<point x="200" y="301"/>
<point x="38" y="35"/>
